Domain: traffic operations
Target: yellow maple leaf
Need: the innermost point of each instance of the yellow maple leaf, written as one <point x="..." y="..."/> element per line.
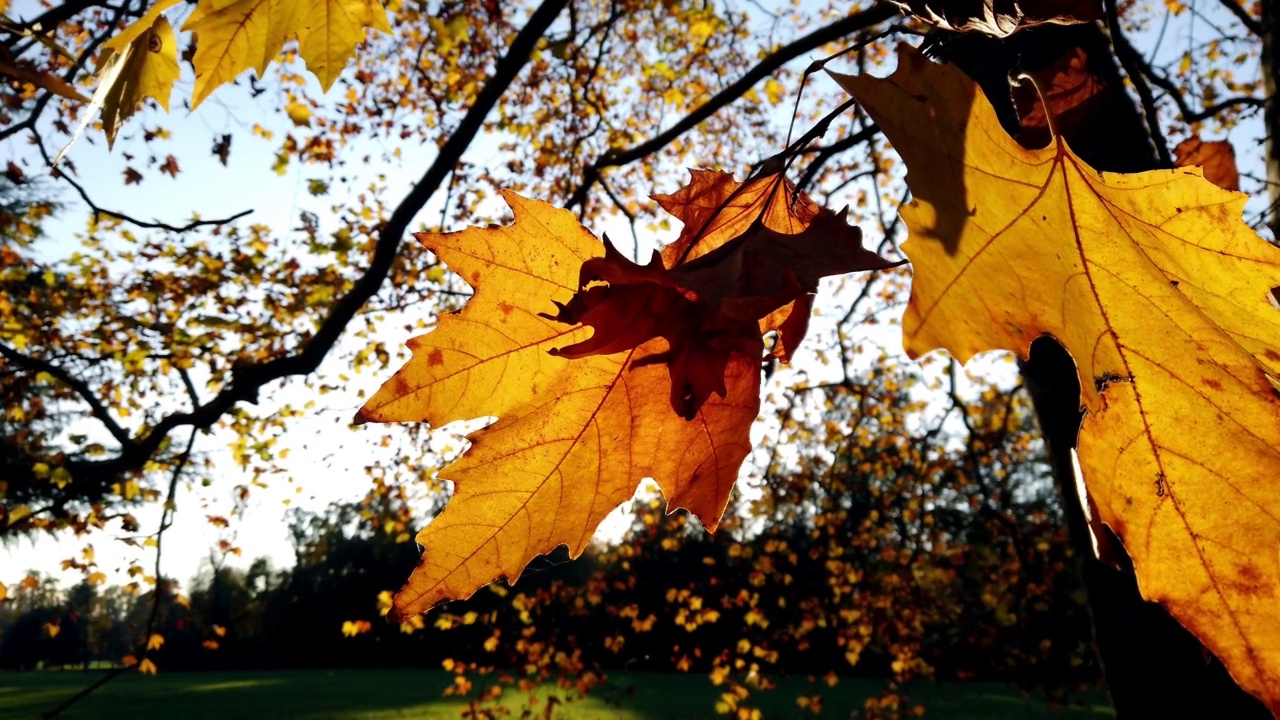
<point x="565" y="450"/>
<point x="140" y="62"/>
<point x="237" y="35"/>
<point x="155" y="641"/>
<point x="1162" y="295"/>
<point x="146" y="667"/>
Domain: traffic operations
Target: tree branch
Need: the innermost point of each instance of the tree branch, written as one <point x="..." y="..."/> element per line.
<point x="876" y="14"/>
<point x="248" y="379"/>
<point x="98" y="211"/>
<point x="1250" y="23"/>
<point x="80" y="387"/>
<point x="1132" y="61"/>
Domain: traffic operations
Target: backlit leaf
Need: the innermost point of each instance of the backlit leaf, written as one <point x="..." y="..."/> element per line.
<point x="1162" y="295"/>
<point x="148" y="69"/>
<point x="1216" y="159"/>
<point x="236" y="35"/>
<point x="567" y="447"/>
<point x="663" y="384"/>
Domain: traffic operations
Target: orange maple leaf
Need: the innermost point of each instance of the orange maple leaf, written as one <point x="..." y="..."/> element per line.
<point x="712" y="292"/>
<point x="1164" y="298"/>
<point x="1216" y="158"/>
<point x="585" y="411"/>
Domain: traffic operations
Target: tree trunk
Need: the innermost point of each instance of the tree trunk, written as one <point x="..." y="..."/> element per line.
<point x="1154" y="668"/>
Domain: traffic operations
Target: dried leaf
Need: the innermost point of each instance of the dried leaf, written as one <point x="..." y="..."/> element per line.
<point x="712" y="293"/>
<point x="1000" y="18"/>
<point x="1162" y="295"/>
<point x="1071" y="92"/>
<point x="715" y="208"/>
<point x="643" y="371"/>
<point x="1216" y="159"/>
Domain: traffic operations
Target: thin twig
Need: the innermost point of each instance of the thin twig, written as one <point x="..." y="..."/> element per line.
<point x="98" y="211"/>
<point x="166" y="520"/>
<point x="841" y="28"/>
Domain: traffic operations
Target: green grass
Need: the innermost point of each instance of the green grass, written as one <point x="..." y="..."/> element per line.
<point x="399" y="694"/>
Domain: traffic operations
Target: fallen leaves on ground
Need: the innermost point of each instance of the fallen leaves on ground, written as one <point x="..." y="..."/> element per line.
<point x="1164" y="298"/>
<point x="601" y="373"/>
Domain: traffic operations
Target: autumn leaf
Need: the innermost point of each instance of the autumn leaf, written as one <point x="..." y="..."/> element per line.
<point x="1216" y="159"/>
<point x="1066" y="91"/>
<point x="660" y="379"/>
<point x="1164" y="298"/>
<point x="713" y="292"/>
<point x="715" y="208"/>
<point x="237" y="35"/>
<point x="569" y="444"/>
<point x="1000" y="18"/>
<point x="141" y="62"/>
<point x="17" y="70"/>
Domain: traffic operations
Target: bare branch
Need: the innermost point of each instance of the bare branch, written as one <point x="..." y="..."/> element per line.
<point x="1250" y="22"/>
<point x="99" y="211"/>
<point x="248" y="379"/>
<point x="1132" y="63"/>
<point x="80" y="388"/>
<point x="874" y="15"/>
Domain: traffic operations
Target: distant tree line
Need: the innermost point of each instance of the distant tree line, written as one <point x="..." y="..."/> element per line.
<point x="899" y="551"/>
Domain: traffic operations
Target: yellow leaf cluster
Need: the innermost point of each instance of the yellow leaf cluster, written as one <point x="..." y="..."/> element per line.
<point x="236" y="35"/>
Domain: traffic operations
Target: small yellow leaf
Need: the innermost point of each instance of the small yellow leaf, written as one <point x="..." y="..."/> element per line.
<point x="52" y="629"/>
<point x="97" y="579"/>
<point x="147" y="667"/>
<point x="299" y="113"/>
<point x="155" y="642"/>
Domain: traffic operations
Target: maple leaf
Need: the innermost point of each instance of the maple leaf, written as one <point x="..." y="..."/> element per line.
<point x="1216" y="159"/>
<point x="236" y="35"/>
<point x="573" y="438"/>
<point x="1163" y="296"/>
<point x="715" y="209"/>
<point x="140" y="62"/>
<point x="1068" y="92"/>
<point x="614" y="387"/>
<point x="24" y="71"/>
<point x="1000" y="18"/>
<point x="713" y="292"/>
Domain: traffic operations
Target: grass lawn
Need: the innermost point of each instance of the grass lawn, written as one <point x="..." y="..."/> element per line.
<point x="388" y="694"/>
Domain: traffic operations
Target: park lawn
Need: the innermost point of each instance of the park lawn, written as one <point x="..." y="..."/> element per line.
<point x="403" y="694"/>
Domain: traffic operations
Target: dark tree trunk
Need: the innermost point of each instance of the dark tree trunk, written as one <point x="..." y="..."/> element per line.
<point x="1154" y="668"/>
